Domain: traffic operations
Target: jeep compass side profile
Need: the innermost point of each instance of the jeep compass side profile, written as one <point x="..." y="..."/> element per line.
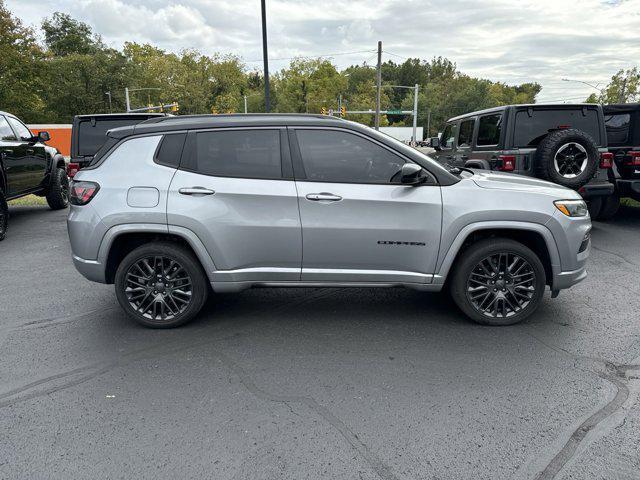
<point x="178" y="207"/>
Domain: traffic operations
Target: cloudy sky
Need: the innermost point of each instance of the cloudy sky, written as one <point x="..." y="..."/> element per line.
<point x="507" y="40"/>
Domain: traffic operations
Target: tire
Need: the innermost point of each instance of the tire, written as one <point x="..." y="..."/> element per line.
<point x="594" y="205"/>
<point x="4" y="215"/>
<point x="529" y="271"/>
<point x="58" y="193"/>
<point x="567" y="157"/>
<point x="183" y="306"/>
<point x="610" y="206"/>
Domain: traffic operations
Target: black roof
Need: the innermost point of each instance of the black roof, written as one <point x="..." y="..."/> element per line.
<point x="621" y="108"/>
<point x="521" y="105"/>
<point x="189" y="122"/>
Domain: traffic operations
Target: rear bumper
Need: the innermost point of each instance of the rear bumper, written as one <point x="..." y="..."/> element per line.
<point x="91" y="269"/>
<point x="628" y="188"/>
<point x="599" y="189"/>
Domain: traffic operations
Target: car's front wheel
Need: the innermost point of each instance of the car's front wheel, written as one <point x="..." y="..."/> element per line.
<point x="4" y="215"/>
<point x="161" y="285"/>
<point x="498" y="281"/>
<point x="58" y="193"/>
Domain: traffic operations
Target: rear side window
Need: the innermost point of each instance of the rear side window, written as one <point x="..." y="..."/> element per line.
<point x="466" y="132"/>
<point x="617" y="127"/>
<point x="529" y="130"/>
<point x="238" y="153"/>
<point x="5" y="130"/>
<point x="449" y="135"/>
<point x="489" y="129"/>
<point x="170" y="150"/>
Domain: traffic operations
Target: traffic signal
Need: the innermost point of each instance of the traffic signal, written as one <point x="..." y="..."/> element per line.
<point x="323" y="110"/>
<point x="343" y="111"/>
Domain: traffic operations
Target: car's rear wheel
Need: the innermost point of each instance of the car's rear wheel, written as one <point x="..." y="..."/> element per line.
<point x="4" y="215"/>
<point x="498" y="281"/>
<point x="58" y="193"/>
<point x="161" y="285"/>
<point x="610" y="206"/>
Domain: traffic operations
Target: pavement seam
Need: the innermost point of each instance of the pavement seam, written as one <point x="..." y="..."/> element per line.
<point x="609" y="371"/>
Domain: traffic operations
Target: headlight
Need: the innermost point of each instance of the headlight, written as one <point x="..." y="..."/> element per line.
<point x="572" y="208"/>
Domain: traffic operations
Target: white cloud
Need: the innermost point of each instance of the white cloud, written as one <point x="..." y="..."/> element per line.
<point x="508" y="40"/>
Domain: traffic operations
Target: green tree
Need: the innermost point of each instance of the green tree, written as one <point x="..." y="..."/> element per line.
<point x="20" y="61"/>
<point x="624" y="87"/>
<point x="63" y="35"/>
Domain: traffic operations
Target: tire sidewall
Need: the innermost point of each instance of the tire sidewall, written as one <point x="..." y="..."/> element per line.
<point x="552" y="143"/>
<point x="55" y="198"/>
<point x="4" y="209"/>
<point x="184" y="258"/>
<point x="472" y="256"/>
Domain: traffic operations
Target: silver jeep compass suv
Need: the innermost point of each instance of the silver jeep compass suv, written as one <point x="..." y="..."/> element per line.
<point x="176" y="207"/>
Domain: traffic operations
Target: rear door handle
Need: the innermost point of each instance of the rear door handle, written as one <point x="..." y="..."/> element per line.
<point x="324" y="196"/>
<point x="196" y="191"/>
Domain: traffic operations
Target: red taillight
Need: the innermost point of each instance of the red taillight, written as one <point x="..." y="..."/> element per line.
<point x="508" y="163"/>
<point x="83" y="192"/>
<point x="633" y="159"/>
<point x="606" y="160"/>
<point x="72" y="169"/>
<point x="564" y="127"/>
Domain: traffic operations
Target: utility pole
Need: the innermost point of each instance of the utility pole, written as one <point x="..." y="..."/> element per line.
<point x="245" y="104"/>
<point x="415" y="114"/>
<point x="340" y="103"/>
<point x="126" y="99"/>
<point x="109" y="95"/>
<point x="429" y="124"/>
<point x="378" y="86"/>
<point x="267" y="102"/>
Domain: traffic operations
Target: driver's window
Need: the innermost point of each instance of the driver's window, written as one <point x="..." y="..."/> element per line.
<point x="343" y="157"/>
<point x="449" y="135"/>
<point x="23" y="132"/>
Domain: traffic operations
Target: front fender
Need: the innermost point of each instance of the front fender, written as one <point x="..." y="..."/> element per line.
<point x="446" y="258"/>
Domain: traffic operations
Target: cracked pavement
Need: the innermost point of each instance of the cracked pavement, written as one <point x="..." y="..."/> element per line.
<point x="315" y="383"/>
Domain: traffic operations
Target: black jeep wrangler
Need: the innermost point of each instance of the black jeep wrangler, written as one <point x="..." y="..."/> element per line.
<point x="29" y="166"/>
<point x="623" y="135"/>
<point x="565" y="144"/>
<point x="89" y="133"/>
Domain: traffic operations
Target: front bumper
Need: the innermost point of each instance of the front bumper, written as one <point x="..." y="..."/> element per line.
<point x="563" y="280"/>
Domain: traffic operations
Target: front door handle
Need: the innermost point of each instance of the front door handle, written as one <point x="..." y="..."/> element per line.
<point x="196" y="191"/>
<point x="323" y="196"/>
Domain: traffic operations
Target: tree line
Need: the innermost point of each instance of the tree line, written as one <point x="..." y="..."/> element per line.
<point x="71" y="70"/>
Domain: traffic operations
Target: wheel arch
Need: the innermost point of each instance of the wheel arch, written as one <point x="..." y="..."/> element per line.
<point x="535" y="236"/>
<point x="122" y="239"/>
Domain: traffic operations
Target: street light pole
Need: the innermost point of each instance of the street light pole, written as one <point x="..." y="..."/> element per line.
<point x="267" y="102"/>
<point x="415" y="114"/>
<point x="109" y="95"/>
<point x="126" y="99"/>
<point x="245" y="104"/>
<point x="376" y="121"/>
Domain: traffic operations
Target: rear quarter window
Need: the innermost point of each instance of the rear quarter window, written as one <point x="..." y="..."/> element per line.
<point x="170" y="150"/>
<point x="529" y="130"/>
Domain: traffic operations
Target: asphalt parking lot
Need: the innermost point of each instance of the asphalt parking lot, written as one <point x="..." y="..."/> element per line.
<point x="315" y="383"/>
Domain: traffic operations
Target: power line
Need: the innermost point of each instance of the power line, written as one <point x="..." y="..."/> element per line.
<point x="395" y="54"/>
<point x="335" y="54"/>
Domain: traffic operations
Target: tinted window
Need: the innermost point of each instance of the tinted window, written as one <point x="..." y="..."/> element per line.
<point x="23" y="132"/>
<point x="93" y="133"/>
<point x="466" y="132"/>
<point x="170" y="150"/>
<point x="335" y="156"/>
<point x="239" y="153"/>
<point x="530" y="130"/>
<point x="489" y="130"/>
<point x="5" y="130"/>
<point x="617" y="127"/>
<point x="449" y="135"/>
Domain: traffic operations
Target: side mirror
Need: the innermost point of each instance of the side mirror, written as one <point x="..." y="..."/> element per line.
<point x="44" y="136"/>
<point x="412" y="174"/>
<point x="434" y="142"/>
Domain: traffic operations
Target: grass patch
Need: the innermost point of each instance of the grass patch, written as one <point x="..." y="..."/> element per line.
<point x="629" y="202"/>
<point x="28" y="201"/>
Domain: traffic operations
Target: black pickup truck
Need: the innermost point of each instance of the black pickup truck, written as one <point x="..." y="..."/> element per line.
<point x="29" y="166"/>
<point x="89" y="132"/>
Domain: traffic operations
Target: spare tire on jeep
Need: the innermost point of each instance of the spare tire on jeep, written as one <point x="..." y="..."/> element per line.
<point x="567" y="157"/>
